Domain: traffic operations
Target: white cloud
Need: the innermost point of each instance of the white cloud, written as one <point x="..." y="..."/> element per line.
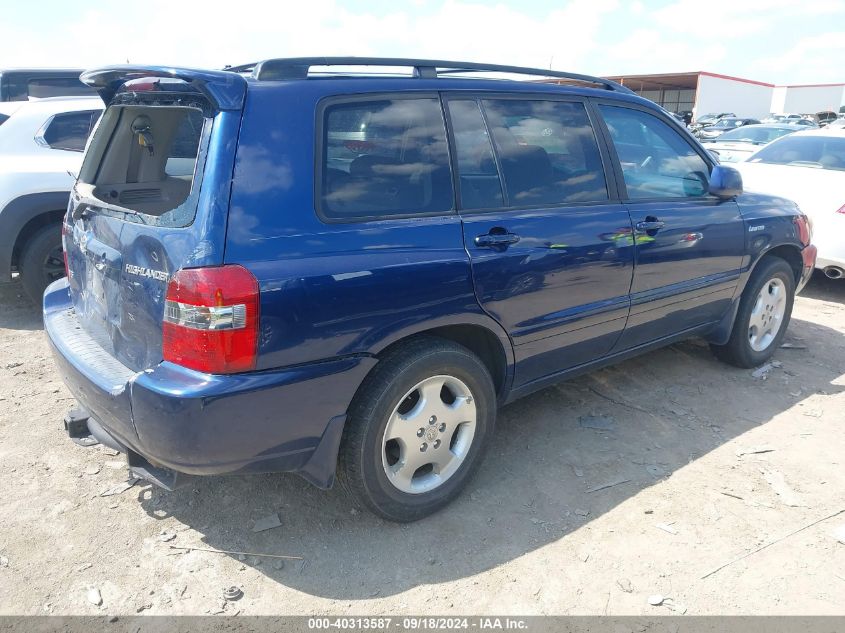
<point x="738" y="38"/>
<point x="822" y="53"/>
<point x="729" y="19"/>
<point x="175" y="33"/>
<point x="650" y="51"/>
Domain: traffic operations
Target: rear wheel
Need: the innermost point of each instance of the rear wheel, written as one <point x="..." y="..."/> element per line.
<point x="763" y="316"/>
<point x="417" y="429"/>
<point x="42" y="261"/>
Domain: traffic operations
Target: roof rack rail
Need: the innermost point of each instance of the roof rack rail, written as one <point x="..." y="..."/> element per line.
<point x="241" y="68"/>
<point x="298" y="67"/>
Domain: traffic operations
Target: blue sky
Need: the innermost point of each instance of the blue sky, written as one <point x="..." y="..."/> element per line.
<point x="777" y="41"/>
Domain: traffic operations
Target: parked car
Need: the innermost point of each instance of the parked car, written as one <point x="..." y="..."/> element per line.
<point x="684" y="116"/>
<point x="711" y="118"/>
<point x="722" y="126"/>
<point x="837" y="124"/>
<point x="802" y="123"/>
<point x="24" y="84"/>
<point x="41" y="147"/>
<point x="808" y="167"/>
<point x="738" y="144"/>
<point x="825" y="117"/>
<point x="300" y="297"/>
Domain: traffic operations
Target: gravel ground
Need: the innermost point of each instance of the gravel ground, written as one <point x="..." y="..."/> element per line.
<point x="692" y="465"/>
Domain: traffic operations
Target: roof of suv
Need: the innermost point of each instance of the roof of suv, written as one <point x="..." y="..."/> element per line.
<point x="226" y="88"/>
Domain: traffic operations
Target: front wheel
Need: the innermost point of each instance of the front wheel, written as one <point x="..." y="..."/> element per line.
<point x="763" y="316"/>
<point x="418" y="429"/>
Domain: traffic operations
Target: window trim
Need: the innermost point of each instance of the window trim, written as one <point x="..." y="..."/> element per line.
<point x="42" y="142"/>
<point x="446" y="98"/>
<point x="672" y="123"/>
<point x="605" y="157"/>
<point x="321" y="147"/>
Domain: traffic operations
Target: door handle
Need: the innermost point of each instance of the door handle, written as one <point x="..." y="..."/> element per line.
<point x="650" y="225"/>
<point x="493" y="240"/>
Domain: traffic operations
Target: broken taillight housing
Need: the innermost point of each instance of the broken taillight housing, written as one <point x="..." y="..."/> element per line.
<point x="803" y="228"/>
<point x="211" y="319"/>
<point x="66" y="230"/>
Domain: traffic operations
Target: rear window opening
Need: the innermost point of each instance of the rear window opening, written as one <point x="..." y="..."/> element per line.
<point x="147" y="161"/>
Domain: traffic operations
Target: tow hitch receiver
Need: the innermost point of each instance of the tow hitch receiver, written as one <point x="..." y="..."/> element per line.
<point x="76" y="425"/>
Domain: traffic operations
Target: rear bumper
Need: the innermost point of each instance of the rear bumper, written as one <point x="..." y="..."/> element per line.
<point x="203" y="424"/>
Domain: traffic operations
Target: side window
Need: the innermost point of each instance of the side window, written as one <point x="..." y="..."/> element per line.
<point x="385" y="158"/>
<point x="479" y="177"/>
<point x="657" y="162"/>
<point x="547" y="151"/>
<point x="68" y="131"/>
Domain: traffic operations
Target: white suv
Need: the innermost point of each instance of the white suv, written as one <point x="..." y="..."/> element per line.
<point x="41" y="145"/>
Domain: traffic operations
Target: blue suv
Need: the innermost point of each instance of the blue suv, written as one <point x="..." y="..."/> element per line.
<point x="300" y="263"/>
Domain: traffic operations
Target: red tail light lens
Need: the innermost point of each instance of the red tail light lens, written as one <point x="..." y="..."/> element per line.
<point x="841" y="209"/>
<point x="803" y="228"/>
<point x="211" y="320"/>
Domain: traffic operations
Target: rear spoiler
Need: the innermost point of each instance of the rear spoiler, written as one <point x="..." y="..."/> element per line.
<point x="226" y="90"/>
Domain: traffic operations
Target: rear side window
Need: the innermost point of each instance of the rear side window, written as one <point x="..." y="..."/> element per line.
<point x="547" y="151"/>
<point x="384" y="158"/>
<point x="3" y="118"/>
<point x="657" y="162"/>
<point x="68" y="131"/>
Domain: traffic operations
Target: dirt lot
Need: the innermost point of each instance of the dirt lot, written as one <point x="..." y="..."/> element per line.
<point x="535" y="533"/>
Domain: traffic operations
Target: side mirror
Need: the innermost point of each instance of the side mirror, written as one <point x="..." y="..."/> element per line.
<point x="725" y="182"/>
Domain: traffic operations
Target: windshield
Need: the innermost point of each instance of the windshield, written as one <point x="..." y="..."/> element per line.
<point x="756" y="135"/>
<point x="821" y="152"/>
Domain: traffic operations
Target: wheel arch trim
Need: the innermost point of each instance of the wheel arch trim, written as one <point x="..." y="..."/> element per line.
<point x="22" y="212"/>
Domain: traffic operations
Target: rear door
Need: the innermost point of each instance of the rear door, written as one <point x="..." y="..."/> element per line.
<point x="689" y="244"/>
<point x="138" y="212"/>
<point x="550" y="247"/>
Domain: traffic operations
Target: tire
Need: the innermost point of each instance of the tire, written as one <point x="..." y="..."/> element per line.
<point x="41" y="261"/>
<point x="763" y="317"/>
<point x="383" y="459"/>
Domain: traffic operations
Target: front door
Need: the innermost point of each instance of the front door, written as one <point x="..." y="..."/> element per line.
<point x="551" y="250"/>
<point x="689" y="244"/>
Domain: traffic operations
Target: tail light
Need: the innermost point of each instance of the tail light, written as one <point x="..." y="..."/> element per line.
<point x="803" y="228"/>
<point x="211" y="319"/>
<point x="841" y="209"/>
